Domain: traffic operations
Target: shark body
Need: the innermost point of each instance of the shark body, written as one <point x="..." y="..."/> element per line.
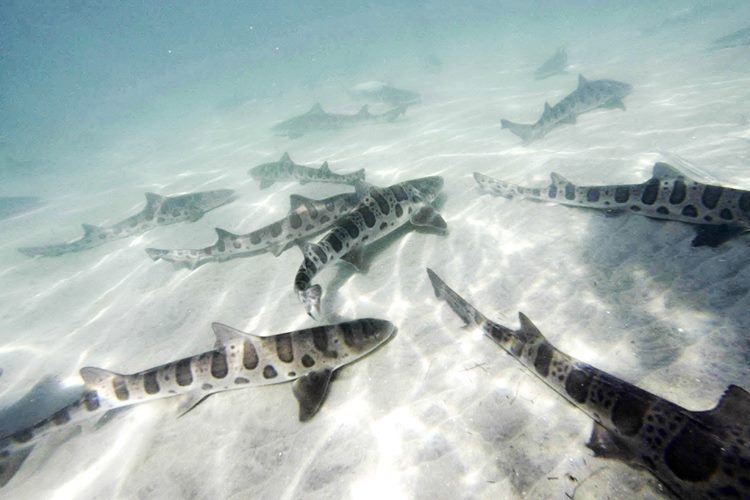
<point x="703" y="454"/>
<point x="286" y="170"/>
<point x="669" y="194"/>
<point x="382" y="92"/>
<point x="381" y="211"/>
<point x="588" y="96"/>
<point x="555" y="65"/>
<point x="308" y="358"/>
<point x="15" y="205"/>
<point x="159" y="211"/>
<point x="317" y="119"/>
<point x="307" y="218"/>
<point x="736" y="39"/>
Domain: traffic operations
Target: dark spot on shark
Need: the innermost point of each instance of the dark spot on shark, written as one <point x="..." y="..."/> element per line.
<point x="295" y="221"/>
<point x="320" y="253"/>
<point x="254" y="238"/>
<point x="312" y="210"/>
<point x="334" y="242"/>
<point x="121" y="388"/>
<point x="726" y="214"/>
<point x="219" y="368"/>
<point x="349" y="337"/>
<point x="220" y="246"/>
<point x="23" y="436"/>
<point x="310" y="266"/>
<point x="570" y="192"/>
<point x="543" y="359"/>
<point x="635" y="208"/>
<point x="662" y="210"/>
<point x="249" y="356"/>
<point x="382" y="203"/>
<point x="182" y="373"/>
<point x="552" y="191"/>
<point x="679" y="191"/>
<point x="160" y="220"/>
<point x="269" y="372"/>
<point x="399" y="210"/>
<point x="693" y="455"/>
<point x="399" y="192"/>
<point x="275" y="229"/>
<point x="744" y="202"/>
<point x="330" y="206"/>
<point x="593" y="195"/>
<point x="307" y="361"/>
<point x="241" y="380"/>
<point x="91" y="400"/>
<point x="689" y="211"/>
<point x="383" y="225"/>
<point x="628" y="413"/>
<point x="309" y="227"/>
<point x="577" y="385"/>
<point x="207" y="387"/>
<point x="284" y="348"/>
<point x="622" y="194"/>
<point x="367" y="215"/>
<point x="351" y="228"/>
<point x="150" y="384"/>
<point x="650" y="192"/>
<point x="711" y="195"/>
<point x="708" y="218"/>
<point x="61" y="417"/>
<point x="324" y="219"/>
<point x="320" y="338"/>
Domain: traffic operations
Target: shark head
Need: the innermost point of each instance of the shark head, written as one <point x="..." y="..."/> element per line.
<point x="364" y="335"/>
<point x="426" y="188"/>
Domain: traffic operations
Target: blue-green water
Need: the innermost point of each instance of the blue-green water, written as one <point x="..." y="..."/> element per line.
<point x="102" y="102"/>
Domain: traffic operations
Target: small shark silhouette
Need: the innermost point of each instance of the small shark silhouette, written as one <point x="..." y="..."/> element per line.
<point x="316" y="119"/>
<point x="286" y="170"/>
<point x="737" y="39"/>
<point x="382" y="92"/>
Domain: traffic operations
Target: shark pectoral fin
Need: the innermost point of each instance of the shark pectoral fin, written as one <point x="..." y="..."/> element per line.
<point x="110" y="415"/>
<point x="226" y="335"/>
<point x="187" y="402"/>
<point x="9" y="465"/>
<point x="266" y="183"/>
<point x="604" y="444"/>
<point x="355" y="257"/>
<point x="614" y="103"/>
<point x="429" y="217"/>
<point x="713" y="236"/>
<point x="310" y="391"/>
<point x="734" y="405"/>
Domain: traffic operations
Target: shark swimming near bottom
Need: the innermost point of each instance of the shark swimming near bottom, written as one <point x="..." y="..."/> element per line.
<point x="286" y="170"/>
<point x="159" y="211"/>
<point x="381" y="211"/>
<point x="588" y="96"/>
<point x="308" y="358"/>
<point x="737" y="39"/>
<point x="317" y="119"/>
<point x="306" y="218"/>
<point x="720" y="212"/>
<point x="695" y="454"/>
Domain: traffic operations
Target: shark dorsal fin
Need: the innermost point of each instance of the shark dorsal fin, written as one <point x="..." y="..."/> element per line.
<point x="90" y="229"/>
<point x="223" y="233"/>
<point x="361" y="188"/>
<point x="285" y="158"/>
<point x="297" y="200"/>
<point x="92" y="377"/>
<point x="558" y="179"/>
<point x="527" y="326"/>
<point x="666" y="171"/>
<point x="325" y="168"/>
<point x="153" y="199"/>
<point x="582" y="81"/>
<point x="226" y="335"/>
<point x="734" y="404"/>
<point x="547" y="110"/>
<point x="364" y="110"/>
<point x="316" y="108"/>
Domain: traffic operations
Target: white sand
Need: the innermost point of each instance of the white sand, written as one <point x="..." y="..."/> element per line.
<point x="439" y="412"/>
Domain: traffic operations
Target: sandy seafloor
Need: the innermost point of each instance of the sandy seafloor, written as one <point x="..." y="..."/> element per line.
<point x="439" y="412"/>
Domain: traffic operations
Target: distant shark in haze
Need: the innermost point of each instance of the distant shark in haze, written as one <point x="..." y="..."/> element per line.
<point x="159" y="211"/>
<point x="736" y="39"/>
<point x="696" y="454"/>
<point x="720" y="212"/>
<point x="316" y="119"/>
<point x="286" y="170"/>
<point x="381" y="211"/>
<point x="382" y="92"/>
<point x="308" y="358"/>
<point x="555" y="65"/>
<point x="306" y="218"/>
<point x="15" y="205"/>
<point x="589" y="96"/>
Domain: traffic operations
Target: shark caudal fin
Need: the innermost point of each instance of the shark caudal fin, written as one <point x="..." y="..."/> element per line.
<point x="310" y="298"/>
<point x="525" y="132"/>
<point x="460" y="306"/>
<point x="9" y="465"/>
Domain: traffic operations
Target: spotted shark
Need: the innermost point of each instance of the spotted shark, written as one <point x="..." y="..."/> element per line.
<point x="308" y="358"/>
<point x="695" y="454"/>
<point x="555" y="65"/>
<point x="286" y="170"/>
<point x="720" y="212"/>
<point x="588" y="96"/>
<point x="381" y="211"/>
<point x="307" y="218"/>
<point x="317" y="119"/>
<point x="736" y="39"/>
<point x="159" y="211"/>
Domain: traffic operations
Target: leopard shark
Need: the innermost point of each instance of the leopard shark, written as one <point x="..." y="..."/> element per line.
<point x="381" y="211"/>
<point x="307" y="218"/>
<point x="588" y="96"/>
<point x="720" y="212"/>
<point x="308" y="358"/>
<point x="317" y="119"/>
<point x="159" y="211"/>
<point x="286" y="170"/>
<point x="555" y="65"/>
<point x="695" y="454"/>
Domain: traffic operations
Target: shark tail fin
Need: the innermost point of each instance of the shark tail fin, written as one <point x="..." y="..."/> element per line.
<point x="522" y="130"/>
<point x="468" y="313"/>
<point x="9" y="465"/>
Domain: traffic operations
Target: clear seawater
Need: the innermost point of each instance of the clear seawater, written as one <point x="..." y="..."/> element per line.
<point x="103" y="101"/>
